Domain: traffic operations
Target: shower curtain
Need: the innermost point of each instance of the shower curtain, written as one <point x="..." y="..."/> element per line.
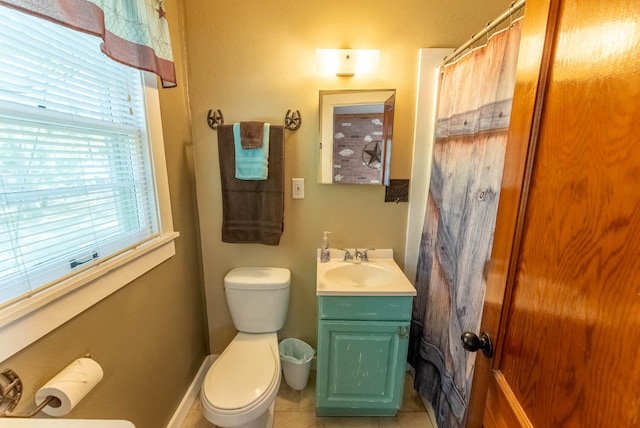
<point x="475" y="96"/>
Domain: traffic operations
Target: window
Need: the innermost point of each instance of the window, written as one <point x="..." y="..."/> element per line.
<point x="78" y="192"/>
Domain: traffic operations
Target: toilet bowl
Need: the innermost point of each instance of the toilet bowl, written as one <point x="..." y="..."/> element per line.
<point x="241" y="387"/>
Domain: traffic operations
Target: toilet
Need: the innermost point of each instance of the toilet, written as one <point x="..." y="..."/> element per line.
<point x="240" y="388"/>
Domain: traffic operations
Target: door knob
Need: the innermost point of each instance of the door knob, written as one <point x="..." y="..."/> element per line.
<point x="473" y="343"/>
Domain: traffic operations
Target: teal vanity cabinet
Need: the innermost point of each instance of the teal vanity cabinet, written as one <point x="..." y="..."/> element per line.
<point x="362" y="354"/>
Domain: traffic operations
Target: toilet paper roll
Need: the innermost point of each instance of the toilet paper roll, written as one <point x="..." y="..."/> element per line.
<point x="70" y="385"/>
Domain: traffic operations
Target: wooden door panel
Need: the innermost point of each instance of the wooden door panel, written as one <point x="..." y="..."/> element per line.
<point x="503" y="407"/>
<point x="568" y="339"/>
<point x="575" y="299"/>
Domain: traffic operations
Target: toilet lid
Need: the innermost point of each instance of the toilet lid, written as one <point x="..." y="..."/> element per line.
<point x="241" y="375"/>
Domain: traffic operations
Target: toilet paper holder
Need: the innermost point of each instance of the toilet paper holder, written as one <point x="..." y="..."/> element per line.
<point x="11" y="393"/>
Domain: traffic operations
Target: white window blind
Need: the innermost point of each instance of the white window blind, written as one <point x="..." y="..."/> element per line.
<point x="76" y="184"/>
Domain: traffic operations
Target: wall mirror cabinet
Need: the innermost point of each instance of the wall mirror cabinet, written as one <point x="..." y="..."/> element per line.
<point x="356" y="131"/>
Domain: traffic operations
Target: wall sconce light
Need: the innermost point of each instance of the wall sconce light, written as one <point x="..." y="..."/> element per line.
<point x="347" y="62"/>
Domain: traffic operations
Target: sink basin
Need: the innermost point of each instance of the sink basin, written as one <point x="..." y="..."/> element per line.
<point x="369" y="274"/>
<point x="380" y="276"/>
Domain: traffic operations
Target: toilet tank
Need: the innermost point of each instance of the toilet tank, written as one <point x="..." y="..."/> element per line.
<point x="258" y="298"/>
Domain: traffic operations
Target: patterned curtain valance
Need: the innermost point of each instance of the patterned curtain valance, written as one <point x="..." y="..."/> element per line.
<point x="135" y="32"/>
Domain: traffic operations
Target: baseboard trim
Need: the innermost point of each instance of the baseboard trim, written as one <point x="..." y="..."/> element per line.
<point x="192" y="394"/>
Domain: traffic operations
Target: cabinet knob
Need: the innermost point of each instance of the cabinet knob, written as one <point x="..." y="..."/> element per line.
<point x="403" y="332"/>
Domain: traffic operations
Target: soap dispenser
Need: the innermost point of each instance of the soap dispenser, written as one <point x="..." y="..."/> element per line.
<point x="325" y="252"/>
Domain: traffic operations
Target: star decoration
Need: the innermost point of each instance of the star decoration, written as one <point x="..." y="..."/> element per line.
<point x="161" y="11"/>
<point x="374" y="154"/>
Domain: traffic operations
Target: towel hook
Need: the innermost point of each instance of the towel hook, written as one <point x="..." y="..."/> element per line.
<point x="10" y="393"/>
<point x="215" y="119"/>
<point x="293" y="120"/>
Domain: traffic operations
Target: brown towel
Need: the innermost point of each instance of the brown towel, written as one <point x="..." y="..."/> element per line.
<point x="251" y="135"/>
<point x="252" y="210"/>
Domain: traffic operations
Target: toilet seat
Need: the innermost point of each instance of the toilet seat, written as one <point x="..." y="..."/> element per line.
<point x="243" y="381"/>
<point x="243" y="373"/>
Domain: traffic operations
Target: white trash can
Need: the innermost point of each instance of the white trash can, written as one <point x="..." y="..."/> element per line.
<point x="296" y="356"/>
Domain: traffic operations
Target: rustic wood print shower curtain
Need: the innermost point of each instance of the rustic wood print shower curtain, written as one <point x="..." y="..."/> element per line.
<point x="475" y="96"/>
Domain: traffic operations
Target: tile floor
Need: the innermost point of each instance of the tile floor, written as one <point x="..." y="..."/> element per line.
<point x="296" y="409"/>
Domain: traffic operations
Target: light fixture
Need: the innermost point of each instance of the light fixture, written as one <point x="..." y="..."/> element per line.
<point x="347" y="62"/>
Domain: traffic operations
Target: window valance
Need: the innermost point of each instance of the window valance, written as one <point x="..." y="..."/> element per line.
<point x="134" y="32"/>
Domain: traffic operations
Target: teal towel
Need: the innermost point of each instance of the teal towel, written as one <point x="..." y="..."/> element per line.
<point x="251" y="164"/>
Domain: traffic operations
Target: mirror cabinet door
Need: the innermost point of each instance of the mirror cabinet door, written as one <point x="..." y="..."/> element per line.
<point x="356" y="130"/>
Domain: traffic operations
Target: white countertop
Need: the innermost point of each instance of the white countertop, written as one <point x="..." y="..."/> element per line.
<point x="398" y="285"/>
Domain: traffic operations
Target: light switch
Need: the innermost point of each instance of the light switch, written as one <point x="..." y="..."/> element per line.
<point x="297" y="188"/>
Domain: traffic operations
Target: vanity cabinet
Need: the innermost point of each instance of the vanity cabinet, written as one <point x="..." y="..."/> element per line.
<point x="362" y="354"/>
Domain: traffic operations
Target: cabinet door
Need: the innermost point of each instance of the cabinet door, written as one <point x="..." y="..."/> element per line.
<point x="361" y="367"/>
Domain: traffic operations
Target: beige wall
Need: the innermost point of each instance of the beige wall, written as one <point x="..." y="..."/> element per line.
<point x="150" y="336"/>
<point x="254" y="60"/>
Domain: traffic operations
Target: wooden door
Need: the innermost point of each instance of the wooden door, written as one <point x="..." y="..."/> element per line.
<point x="563" y="293"/>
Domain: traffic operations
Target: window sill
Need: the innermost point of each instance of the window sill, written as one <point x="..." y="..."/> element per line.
<point x="31" y="319"/>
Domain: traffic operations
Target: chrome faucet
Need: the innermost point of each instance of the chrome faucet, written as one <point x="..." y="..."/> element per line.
<point x="347" y="255"/>
<point x="364" y="254"/>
